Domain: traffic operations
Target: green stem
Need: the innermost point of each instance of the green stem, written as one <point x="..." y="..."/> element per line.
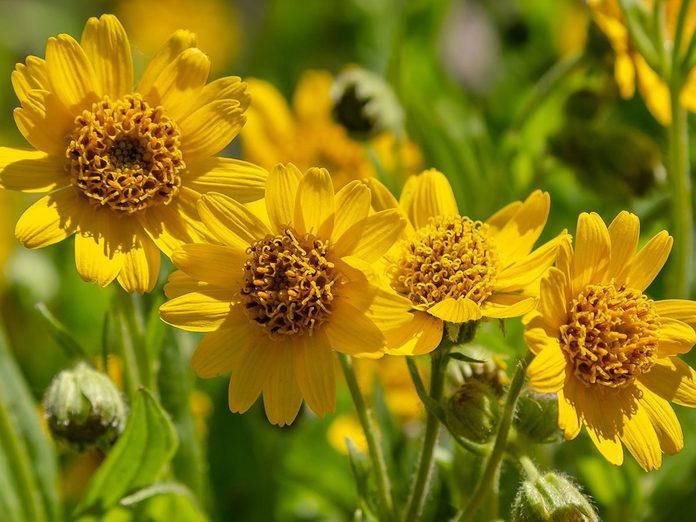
<point x="439" y="359"/>
<point x="374" y="447"/>
<point x="491" y="470"/>
<point x="527" y="467"/>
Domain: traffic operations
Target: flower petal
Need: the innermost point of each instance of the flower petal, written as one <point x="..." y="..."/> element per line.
<point x="179" y="284"/>
<point x="498" y="220"/>
<point x="517" y="237"/>
<point x="648" y="262"/>
<point x="592" y="251"/>
<point x="30" y="171"/>
<point x="568" y="416"/>
<point x="314" y="204"/>
<point x="502" y="306"/>
<point x="106" y="46"/>
<point x="350" y="331"/>
<point x="314" y="363"/>
<point x="237" y="179"/>
<point x="220" y="265"/>
<point x="231" y="222"/>
<point x="682" y="309"/>
<point x="432" y="196"/>
<point x="50" y="219"/>
<point x="663" y="420"/>
<point x="420" y="336"/>
<point x="624" y="233"/>
<point x="249" y="375"/>
<point x="547" y="371"/>
<point x="281" y="393"/>
<point x="281" y="194"/>
<point x="372" y="237"/>
<point x="674" y="337"/>
<point x="352" y="206"/>
<point x="45" y="122"/>
<point x="202" y="311"/>
<point x="603" y="417"/>
<point x="640" y="438"/>
<point x="141" y="261"/>
<point x="673" y="380"/>
<point x="70" y="72"/>
<point x="219" y="351"/>
<point x="209" y="129"/>
<point x="458" y="311"/>
<point x="226" y="88"/>
<point x="28" y="77"/>
<point x="553" y="299"/>
<point x="173" y="47"/>
<point x="98" y="253"/>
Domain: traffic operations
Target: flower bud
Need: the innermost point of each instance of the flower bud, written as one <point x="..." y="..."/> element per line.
<point x="551" y="497"/>
<point x="473" y="411"/>
<point x="84" y="408"/>
<point x="365" y="104"/>
<point x="537" y="417"/>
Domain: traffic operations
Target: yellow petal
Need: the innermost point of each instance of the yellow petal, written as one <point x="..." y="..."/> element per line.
<point x="603" y="417"/>
<point x="141" y="261"/>
<point x="370" y="238"/>
<point x="432" y="197"/>
<point x="624" y="233"/>
<point x="237" y="179"/>
<point x="547" y="371"/>
<point x="98" y="252"/>
<point x="281" y="394"/>
<point x="350" y="331"/>
<point x="517" y="237"/>
<point x="314" y="204"/>
<point x="209" y="129"/>
<point x="382" y="199"/>
<point x="639" y="436"/>
<point x="420" y="336"/>
<point x="673" y="380"/>
<point x="315" y="362"/>
<point x="70" y="72"/>
<point x="653" y="90"/>
<point x="458" y="311"/>
<point x="281" y="194"/>
<point x="202" y="311"/>
<point x="663" y="420"/>
<point x="45" y="122"/>
<point x="568" y="417"/>
<point x="220" y="265"/>
<point x="498" y="220"/>
<point x="648" y="262"/>
<point x="226" y="88"/>
<point x="312" y="100"/>
<point x="106" y="45"/>
<point x="674" y="337"/>
<point x="179" y="284"/>
<point x="536" y="336"/>
<point x="502" y="306"/>
<point x="175" y="45"/>
<point x="178" y="85"/>
<point x="352" y="205"/>
<point x="249" y="375"/>
<point x="681" y="309"/>
<point x="554" y="299"/>
<point x="218" y="352"/>
<point x="387" y="309"/>
<point x="592" y="251"/>
<point x="231" y="222"/>
<point x="28" y="77"/>
<point x="31" y="171"/>
<point x="50" y="219"/>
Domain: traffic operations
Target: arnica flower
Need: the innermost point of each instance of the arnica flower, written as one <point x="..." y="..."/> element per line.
<point x="307" y="135"/>
<point x="124" y="169"/>
<point x="608" y="350"/>
<point x="283" y="291"/>
<point x="455" y="269"/>
<point x="631" y="68"/>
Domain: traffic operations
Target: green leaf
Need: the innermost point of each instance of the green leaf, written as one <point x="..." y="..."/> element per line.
<point x="361" y="468"/>
<point x="459" y="356"/>
<point x="136" y="461"/>
<point x="61" y="335"/>
<point x="28" y="468"/>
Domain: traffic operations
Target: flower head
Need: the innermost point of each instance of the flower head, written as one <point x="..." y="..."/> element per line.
<point x="124" y="167"/>
<point x="607" y="349"/>
<point x="455" y="269"/>
<point x="284" y="290"/>
<point x="307" y="135"/>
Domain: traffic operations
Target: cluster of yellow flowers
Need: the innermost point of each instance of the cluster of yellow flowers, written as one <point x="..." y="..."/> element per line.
<point x="305" y="270"/>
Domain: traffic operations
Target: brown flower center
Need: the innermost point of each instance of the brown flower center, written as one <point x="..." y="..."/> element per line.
<point x="449" y="257"/>
<point x="610" y="337"/>
<point x="125" y="154"/>
<point x="289" y="283"/>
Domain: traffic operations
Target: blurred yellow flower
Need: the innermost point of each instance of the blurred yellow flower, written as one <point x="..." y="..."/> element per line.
<point x="215" y="22"/>
<point x="608" y="350"/>
<point x="124" y="169"/>
<point x="569" y="29"/>
<point x="454" y="269"/>
<point x="307" y="136"/>
<point x="278" y="296"/>
<point x="346" y="426"/>
<point x="631" y="69"/>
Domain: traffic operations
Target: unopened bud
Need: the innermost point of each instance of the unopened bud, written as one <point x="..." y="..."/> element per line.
<point x="365" y="104"/>
<point x="473" y="411"/>
<point x="84" y="408"/>
<point x="537" y="417"/>
<point x="552" y="497"/>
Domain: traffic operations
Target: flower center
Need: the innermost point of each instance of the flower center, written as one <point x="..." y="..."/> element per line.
<point x="288" y="283"/>
<point x="611" y="335"/>
<point x="125" y="154"/>
<point x="449" y="257"/>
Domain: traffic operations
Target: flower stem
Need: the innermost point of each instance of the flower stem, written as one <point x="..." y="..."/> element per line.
<point x="491" y="469"/>
<point x="439" y="359"/>
<point x="374" y="447"/>
<point x="527" y="467"/>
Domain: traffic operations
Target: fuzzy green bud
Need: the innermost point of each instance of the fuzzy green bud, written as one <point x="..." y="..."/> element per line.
<point x="84" y="408"/>
<point x="552" y="497"/>
<point x="473" y="411"/>
<point x="537" y="417"/>
<point x="365" y="104"/>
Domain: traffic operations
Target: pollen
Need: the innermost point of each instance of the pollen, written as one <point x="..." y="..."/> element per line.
<point x="125" y="154"/>
<point x="449" y="257"/>
<point x="289" y="283"/>
<point x="610" y="337"/>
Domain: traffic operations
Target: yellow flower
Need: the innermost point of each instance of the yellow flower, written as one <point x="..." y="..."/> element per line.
<point x="307" y="136"/>
<point x="631" y="69"/>
<point x="280" y="295"/>
<point x="454" y="269"/>
<point x="607" y="349"/>
<point x="215" y="22"/>
<point x="124" y="169"/>
<point x="346" y="426"/>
